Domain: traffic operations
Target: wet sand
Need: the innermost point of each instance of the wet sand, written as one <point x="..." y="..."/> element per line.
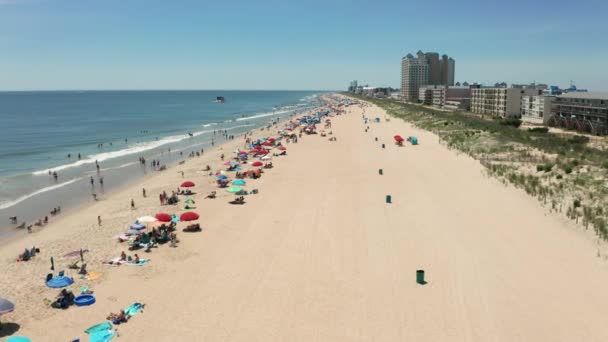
<point x="319" y="255"/>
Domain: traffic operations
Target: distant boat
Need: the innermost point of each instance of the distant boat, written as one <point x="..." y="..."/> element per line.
<point x="220" y="99"/>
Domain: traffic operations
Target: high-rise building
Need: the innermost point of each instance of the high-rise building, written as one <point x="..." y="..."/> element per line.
<point x="426" y="69"/>
<point x="414" y="74"/>
<point x="432" y="59"/>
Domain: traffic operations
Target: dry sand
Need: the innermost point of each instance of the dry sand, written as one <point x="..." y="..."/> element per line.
<point x="319" y="256"/>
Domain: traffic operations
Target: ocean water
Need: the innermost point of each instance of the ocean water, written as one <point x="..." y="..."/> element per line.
<point x="40" y="129"/>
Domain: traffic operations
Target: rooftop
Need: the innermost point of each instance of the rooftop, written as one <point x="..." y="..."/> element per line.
<point x="586" y="95"/>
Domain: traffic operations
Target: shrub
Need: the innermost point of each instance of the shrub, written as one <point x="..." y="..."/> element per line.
<point x="579" y="140"/>
<point x="511" y="122"/>
<point x="559" y="176"/>
<point x="538" y="130"/>
<point x="568" y="169"/>
<point x="577" y="203"/>
<point x="540" y="167"/>
<point x="605" y="164"/>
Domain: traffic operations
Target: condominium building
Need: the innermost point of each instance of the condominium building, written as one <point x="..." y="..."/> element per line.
<point x="425" y="94"/>
<point x="536" y="109"/>
<point x="422" y="70"/>
<point x="501" y="102"/>
<point x="582" y="111"/>
<point x="414" y="74"/>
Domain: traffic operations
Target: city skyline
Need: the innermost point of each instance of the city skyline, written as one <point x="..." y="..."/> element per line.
<point x="55" y="45"/>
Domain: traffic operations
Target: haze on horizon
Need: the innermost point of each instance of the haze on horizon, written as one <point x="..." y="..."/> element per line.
<point x="70" y="44"/>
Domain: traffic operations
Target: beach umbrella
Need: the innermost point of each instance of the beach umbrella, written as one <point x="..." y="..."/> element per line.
<point x="268" y="143"/>
<point x="6" y="306"/>
<point x="271" y="139"/>
<point x="188" y="216"/>
<point x="137" y="226"/>
<point x="222" y="176"/>
<point x="234" y="189"/>
<point x="398" y="138"/>
<point x="266" y="157"/>
<point x="147" y="219"/>
<point x="189" y="201"/>
<point x="239" y="182"/>
<point x="187" y="184"/>
<point x="282" y="148"/>
<point x="257" y="163"/>
<point x="59" y="282"/>
<point x="163" y="217"/>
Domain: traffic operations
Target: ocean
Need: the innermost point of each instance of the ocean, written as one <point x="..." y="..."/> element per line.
<point x="115" y="128"/>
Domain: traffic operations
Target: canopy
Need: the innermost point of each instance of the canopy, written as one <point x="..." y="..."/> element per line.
<point x="59" y="281"/>
<point x="398" y="138"/>
<point x="163" y="217"/>
<point x="187" y="184"/>
<point x="188" y="216"/>
<point x="257" y="163"/>
<point x="146" y="219"/>
<point x="234" y="189"/>
<point x="6" y="306"/>
<point x="239" y="182"/>
<point x="137" y="226"/>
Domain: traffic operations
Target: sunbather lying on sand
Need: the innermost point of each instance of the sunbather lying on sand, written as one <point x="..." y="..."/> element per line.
<point x="117" y="318"/>
<point x="211" y="195"/>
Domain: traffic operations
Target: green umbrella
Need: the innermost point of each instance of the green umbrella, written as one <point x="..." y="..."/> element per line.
<point x="189" y="201"/>
<point x="234" y="189"/>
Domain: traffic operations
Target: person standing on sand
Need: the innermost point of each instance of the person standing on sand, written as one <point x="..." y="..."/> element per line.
<point x="132" y="204"/>
<point x="92" y="181"/>
<point x="99" y="220"/>
<point x="143" y="192"/>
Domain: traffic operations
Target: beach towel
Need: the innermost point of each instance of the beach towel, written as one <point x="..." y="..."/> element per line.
<point x="102" y="336"/>
<point x="140" y="263"/>
<point x="93" y="275"/>
<point x="132" y="309"/>
<point x="99" y="327"/>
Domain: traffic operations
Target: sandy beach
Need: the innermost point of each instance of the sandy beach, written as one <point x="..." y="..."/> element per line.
<point x="318" y="254"/>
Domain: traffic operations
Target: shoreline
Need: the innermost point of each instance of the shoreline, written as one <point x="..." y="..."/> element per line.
<point x="72" y="197"/>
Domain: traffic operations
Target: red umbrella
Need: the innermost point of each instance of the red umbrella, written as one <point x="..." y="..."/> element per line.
<point x="398" y="138"/>
<point x="271" y="139"/>
<point x="267" y="143"/>
<point x="282" y="148"/>
<point x="262" y="151"/>
<point x="187" y="184"/>
<point x="188" y="216"/>
<point x="257" y="163"/>
<point x="163" y="217"/>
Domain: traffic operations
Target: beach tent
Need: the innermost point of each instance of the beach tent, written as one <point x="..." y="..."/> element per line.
<point x="187" y="184"/>
<point x="239" y="182"/>
<point x="413" y="140"/>
<point x="234" y="189"/>
<point x="59" y="282"/>
<point x="163" y="217"/>
<point x="6" y="306"/>
<point x="257" y="163"/>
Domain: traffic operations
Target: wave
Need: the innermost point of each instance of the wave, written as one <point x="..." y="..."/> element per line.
<point x="43" y="190"/>
<point x="263" y="115"/>
<point x="137" y="148"/>
<point x="112" y="168"/>
<point x="210" y="124"/>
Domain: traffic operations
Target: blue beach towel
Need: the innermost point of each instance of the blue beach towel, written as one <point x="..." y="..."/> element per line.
<point x="102" y="336"/>
<point x="133" y="309"/>
<point x="99" y="327"/>
<point x="140" y="263"/>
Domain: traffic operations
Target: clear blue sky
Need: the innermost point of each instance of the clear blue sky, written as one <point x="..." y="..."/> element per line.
<point x="172" y="44"/>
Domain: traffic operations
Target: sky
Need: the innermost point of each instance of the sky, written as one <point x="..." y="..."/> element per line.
<point x="317" y="45"/>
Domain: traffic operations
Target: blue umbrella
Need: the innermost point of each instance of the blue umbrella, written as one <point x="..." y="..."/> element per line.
<point x="239" y="182"/>
<point x="6" y="306"/>
<point x="222" y="177"/>
<point x="59" y="281"/>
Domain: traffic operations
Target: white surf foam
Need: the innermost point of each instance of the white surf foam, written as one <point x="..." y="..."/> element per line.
<point x="43" y="190"/>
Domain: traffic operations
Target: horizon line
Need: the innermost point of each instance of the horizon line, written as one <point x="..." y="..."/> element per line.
<point x="155" y="89"/>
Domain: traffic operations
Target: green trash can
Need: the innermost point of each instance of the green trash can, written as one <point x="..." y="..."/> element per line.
<point x="388" y="198"/>
<point x="380" y="172"/>
<point x="420" y="277"/>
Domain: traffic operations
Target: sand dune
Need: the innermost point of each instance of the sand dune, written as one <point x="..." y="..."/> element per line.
<point x="319" y="256"/>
